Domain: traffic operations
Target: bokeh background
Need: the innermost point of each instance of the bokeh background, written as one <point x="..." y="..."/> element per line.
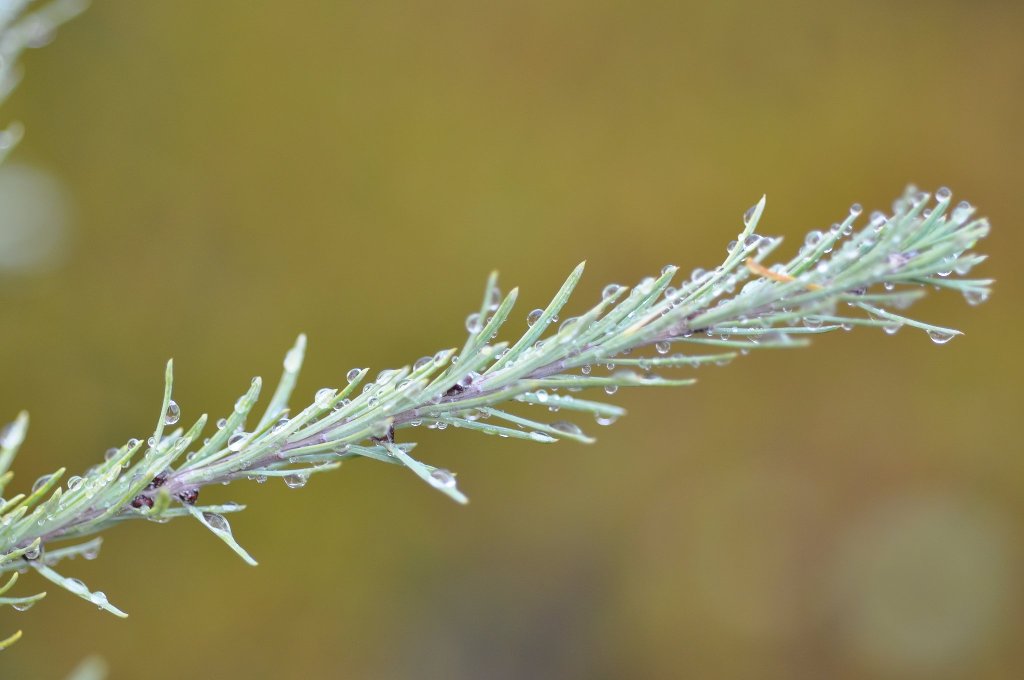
<point x="217" y="177"/>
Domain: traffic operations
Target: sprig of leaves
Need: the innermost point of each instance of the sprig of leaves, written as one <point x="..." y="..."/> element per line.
<point x="630" y="338"/>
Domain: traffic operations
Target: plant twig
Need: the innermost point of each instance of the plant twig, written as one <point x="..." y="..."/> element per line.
<point x="838" y="278"/>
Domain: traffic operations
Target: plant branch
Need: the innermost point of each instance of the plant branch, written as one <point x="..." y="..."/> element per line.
<point x="840" y="278"/>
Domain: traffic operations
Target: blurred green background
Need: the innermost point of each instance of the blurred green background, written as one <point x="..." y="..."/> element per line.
<point x="238" y="172"/>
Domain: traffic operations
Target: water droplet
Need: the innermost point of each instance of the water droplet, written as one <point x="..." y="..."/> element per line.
<point x="32" y="553"/>
<point x="173" y="413"/>
<point x="151" y="442"/>
<point x="668" y="269"/>
<point x="534" y="316"/>
<point x="878" y="220"/>
<point x="567" y="427"/>
<point x="99" y="598"/>
<point x="132" y="443"/>
<point x="962" y="212"/>
<point x="697" y="275"/>
<point x="494" y="301"/>
<point x="892" y="328"/>
<point x="218" y="522"/>
<point x="75" y="481"/>
<point x="75" y="586"/>
<point x="812" y="322"/>
<point x="940" y="337"/>
<point x="23" y="606"/>
<point x="943" y="194"/>
<point x="585" y="370"/>
<point x="610" y="290"/>
<point x="237" y="441"/>
<point x="296" y="481"/>
<point x="752" y="241"/>
<point x="813" y="238"/>
<point x="605" y="419"/>
<point x="442" y="479"/>
<point x="748" y="216"/>
<point x="856" y="209"/>
<point x="663" y="347"/>
<point x="611" y="389"/>
<point x="542" y="396"/>
<point x="731" y="246"/>
<point x="975" y="297"/>
<point x="567" y="323"/>
<point x="422" y="362"/>
<point x="473" y="323"/>
<point x="353" y="375"/>
<point x="324" y="396"/>
<point x="39" y="483"/>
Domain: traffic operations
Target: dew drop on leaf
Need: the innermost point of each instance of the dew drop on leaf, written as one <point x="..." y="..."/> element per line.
<point x="296" y="481"/>
<point x="173" y="413"/>
<point x="442" y="479"/>
<point x="323" y="397"/>
<point x="236" y="441"/>
<point x="749" y="215"/>
<point x="940" y="337"/>
<point x="975" y="297"/>
<point x="610" y="290"/>
<point x="567" y="427"/>
<point x="99" y="598"/>
<point x="218" y="522"/>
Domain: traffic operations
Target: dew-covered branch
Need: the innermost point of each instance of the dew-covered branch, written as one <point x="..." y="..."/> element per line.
<point x="547" y="382"/>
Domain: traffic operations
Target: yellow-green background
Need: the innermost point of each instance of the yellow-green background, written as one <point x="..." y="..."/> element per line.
<point x="241" y="172"/>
